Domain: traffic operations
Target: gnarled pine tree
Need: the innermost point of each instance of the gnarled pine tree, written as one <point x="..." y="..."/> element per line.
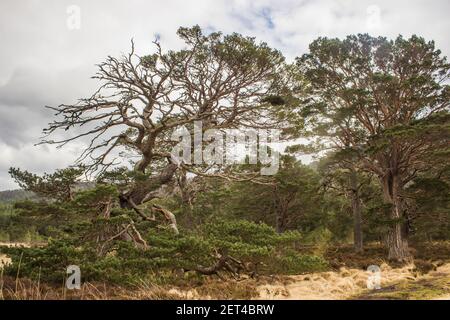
<point x="223" y="81"/>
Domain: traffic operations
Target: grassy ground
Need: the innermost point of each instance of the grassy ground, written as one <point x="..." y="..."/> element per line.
<point x="427" y="278"/>
<point x="434" y="285"/>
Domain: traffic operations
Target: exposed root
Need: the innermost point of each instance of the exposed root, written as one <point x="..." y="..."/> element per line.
<point x="224" y="263"/>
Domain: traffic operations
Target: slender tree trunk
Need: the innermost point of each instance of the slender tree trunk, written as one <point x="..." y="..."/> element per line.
<point x="281" y="205"/>
<point x="281" y="222"/>
<point x="396" y="239"/>
<point x="281" y="217"/>
<point x="356" y="208"/>
<point x="186" y="198"/>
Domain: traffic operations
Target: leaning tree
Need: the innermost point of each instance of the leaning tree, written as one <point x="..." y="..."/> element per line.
<point x="385" y="102"/>
<point x="225" y="81"/>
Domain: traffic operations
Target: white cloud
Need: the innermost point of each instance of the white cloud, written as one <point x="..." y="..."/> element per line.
<point x="35" y="159"/>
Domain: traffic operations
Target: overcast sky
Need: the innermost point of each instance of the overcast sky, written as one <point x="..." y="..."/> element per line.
<point x="48" y="51"/>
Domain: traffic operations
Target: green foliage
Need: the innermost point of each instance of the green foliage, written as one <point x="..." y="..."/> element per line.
<point x="48" y="263"/>
<point x="36" y="220"/>
<point x="58" y="185"/>
<point x="260" y="243"/>
<point x="431" y="206"/>
<point x="247" y="241"/>
<point x="294" y="263"/>
<point x="27" y="220"/>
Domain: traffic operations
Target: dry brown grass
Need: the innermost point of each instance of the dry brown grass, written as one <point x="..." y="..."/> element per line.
<point x="428" y="278"/>
<point x="327" y="285"/>
<point x="348" y="283"/>
<point x="428" y="275"/>
<point x="218" y="289"/>
<point x="24" y="289"/>
<point x="433" y="285"/>
<point x="374" y="253"/>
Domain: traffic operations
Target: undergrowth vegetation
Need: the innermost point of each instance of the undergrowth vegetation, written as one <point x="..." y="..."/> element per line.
<point x="257" y="247"/>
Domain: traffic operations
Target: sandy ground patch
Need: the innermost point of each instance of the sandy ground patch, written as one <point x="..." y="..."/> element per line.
<point x="447" y="297"/>
<point x="15" y="244"/>
<point x="4" y="260"/>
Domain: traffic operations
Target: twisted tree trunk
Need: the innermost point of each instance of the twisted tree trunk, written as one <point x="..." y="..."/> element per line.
<point x="144" y="191"/>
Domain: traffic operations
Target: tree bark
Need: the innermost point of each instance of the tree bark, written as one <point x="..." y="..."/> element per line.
<point x="356" y="209"/>
<point x="396" y="239"/>
<point x="143" y="191"/>
<point x="281" y="216"/>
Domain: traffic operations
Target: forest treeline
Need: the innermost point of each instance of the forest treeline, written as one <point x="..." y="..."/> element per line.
<point x="373" y="112"/>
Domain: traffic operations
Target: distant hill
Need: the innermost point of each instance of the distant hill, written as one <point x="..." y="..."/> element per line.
<point x="14" y="195"/>
<point x="20" y="194"/>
